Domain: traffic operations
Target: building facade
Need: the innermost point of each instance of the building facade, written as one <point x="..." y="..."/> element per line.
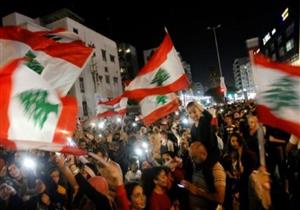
<point x="101" y="79"/>
<point x="243" y="77"/>
<point x="281" y="42"/>
<point x="128" y="61"/>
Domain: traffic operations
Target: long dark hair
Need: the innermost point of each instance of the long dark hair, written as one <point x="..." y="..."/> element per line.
<point x="148" y="177"/>
<point x="130" y="187"/>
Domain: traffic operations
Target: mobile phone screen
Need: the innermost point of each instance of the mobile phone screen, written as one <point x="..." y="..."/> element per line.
<point x="180" y="185"/>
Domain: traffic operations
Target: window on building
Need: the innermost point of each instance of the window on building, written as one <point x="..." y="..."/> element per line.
<point x="112" y="58"/>
<point x="107" y="79"/>
<point x="279" y="40"/>
<point x="281" y="52"/>
<point x="103" y="55"/>
<point x="85" y="108"/>
<point x="272" y="46"/>
<point x="106" y="69"/>
<point x="75" y="30"/>
<point x="100" y="78"/>
<point x="290" y="30"/>
<point x="266" y="52"/>
<point x="81" y="84"/>
<point x="115" y="80"/>
<point x="289" y="45"/>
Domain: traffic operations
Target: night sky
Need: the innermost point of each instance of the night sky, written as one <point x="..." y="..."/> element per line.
<point x="143" y="25"/>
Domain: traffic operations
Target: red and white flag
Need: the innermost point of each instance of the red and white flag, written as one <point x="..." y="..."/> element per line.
<point x="58" y="56"/>
<point x="162" y="74"/>
<point x="32" y="115"/>
<point x="278" y="94"/>
<point x="116" y="106"/>
<point x="156" y="107"/>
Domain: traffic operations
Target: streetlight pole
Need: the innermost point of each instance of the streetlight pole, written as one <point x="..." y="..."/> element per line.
<point x="213" y="28"/>
<point x="222" y="82"/>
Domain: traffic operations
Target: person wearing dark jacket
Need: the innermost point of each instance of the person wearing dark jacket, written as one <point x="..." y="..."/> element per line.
<point x="202" y="128"/>
<point x="100" y="201"/>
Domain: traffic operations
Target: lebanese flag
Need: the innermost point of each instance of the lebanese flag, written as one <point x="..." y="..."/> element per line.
<point x="278" y="94"/>
<point x="162" y="74"/>
<point x="116" y="106"/>
<point x="156" y="107"/>
<point x="58" y="56"/>
<point x="32" y="115"/>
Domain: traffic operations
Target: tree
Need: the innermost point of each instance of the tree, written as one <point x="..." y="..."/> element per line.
<point x="36" y="106"/>
<point x="161" y="100"/>
<point x="282" y="94"/>
<point x="160" y="76"/>
<point x="32" y="63"/>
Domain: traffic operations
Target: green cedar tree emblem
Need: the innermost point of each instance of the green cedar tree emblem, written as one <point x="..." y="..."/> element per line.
<point x="161" y="100"/>
<point x="32" y="63"/>
<point x="36" y="106"/>
<point x="282" y="94"/>
<point x="160" y="76"/>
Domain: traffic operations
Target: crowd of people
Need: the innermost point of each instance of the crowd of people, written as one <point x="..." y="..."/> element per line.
<point x="204" y="165"/>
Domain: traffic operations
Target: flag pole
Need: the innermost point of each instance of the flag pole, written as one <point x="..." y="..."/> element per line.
<point x="166" y="30"/>
<point x="260" y="178"/>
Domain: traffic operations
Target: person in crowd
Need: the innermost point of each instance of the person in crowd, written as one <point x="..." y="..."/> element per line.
<point x="136" y="196"/>
<point x="202" y="128"/>
<point x="155" y="182"/>
<point x="175" y="165"/>
<point x="243" y="162"/>
<point x="134" y="174"/>
<point x="207" y="188"/>
<point x="166" y="144"/>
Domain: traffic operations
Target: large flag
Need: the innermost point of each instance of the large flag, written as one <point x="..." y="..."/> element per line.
<point x="116" y="106"/>
<point x="156" y="107"/>
<point x="32" y="116"/>
<point x="278" y="94"/>
<point x="162" y="74"/>
<point x="58" y="56"/>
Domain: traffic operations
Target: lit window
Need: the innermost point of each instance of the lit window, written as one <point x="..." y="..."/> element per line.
<point x="289" y="45"/>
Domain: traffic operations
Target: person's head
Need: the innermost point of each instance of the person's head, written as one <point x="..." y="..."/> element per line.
<point x="167" y="157"/>
<point x="6" y="191"/>
<point x="228" y="120"/>
<point x="100" y="184"/>
<point x="161" y="178"/>
<point x="101" y="152"/>
<point x="82" y="144"/>
<point x="117" y="136"/>
<point x="236" y="115"/>
<point x="194" y="111"/>
<point x="198" y="152"/>
<point x="143" y="130"/>
<point x="236" y="141"/>
<point x="14" y="171"/>
<point x="55" y="175"/>
<point x="253" y="122"/>
<point x="134" y="165"/>
<point x="136" y="196"/>
<point x="154" y="177"/>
